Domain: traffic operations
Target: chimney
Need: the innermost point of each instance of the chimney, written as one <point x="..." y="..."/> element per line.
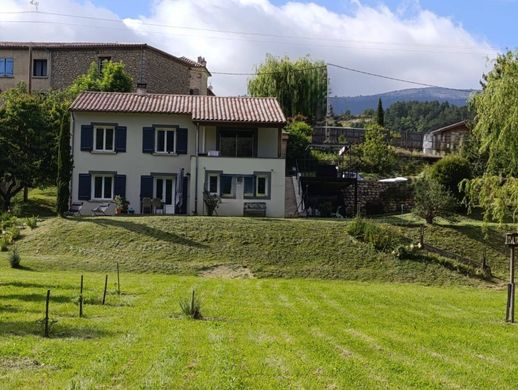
<point x="141" y="88"/>
<point x="201" y="61"/>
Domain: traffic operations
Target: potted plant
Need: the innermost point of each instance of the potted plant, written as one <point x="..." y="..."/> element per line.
<point x="212" y="202"/>
<point x="121" y="205"/>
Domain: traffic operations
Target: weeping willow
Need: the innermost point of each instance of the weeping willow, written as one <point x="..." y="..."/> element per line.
<point x="300" y="86"/>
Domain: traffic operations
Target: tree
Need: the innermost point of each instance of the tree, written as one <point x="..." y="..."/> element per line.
<point x="380" y="114"/>
<point x="449" y="172"/>
<point x="26" y="140"/>
<point x="495" y="130"/>
<point x="300" y="86"/>
<point x="377" y="155"/>
<point x="112" y="79"/>
<point x="432" y="200"/>
<point x="298" y="141"/>
<point x="64" y="172"/>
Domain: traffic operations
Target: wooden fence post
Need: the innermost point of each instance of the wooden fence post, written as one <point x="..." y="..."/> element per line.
<point x="47" y="314"/>
<point x="81" y="298"/>
<point x="118" y="280"/>
<point x="105" y="287"/>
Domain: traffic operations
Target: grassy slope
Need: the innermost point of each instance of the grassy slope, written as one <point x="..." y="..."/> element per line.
<point x="260" y="334"/>
<point x="188" y="245"/>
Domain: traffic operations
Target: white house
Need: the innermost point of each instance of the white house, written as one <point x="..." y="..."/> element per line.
<point x="173" y="148"/>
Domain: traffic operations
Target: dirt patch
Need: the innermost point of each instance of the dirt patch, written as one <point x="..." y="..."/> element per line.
<point x="16" y="363"/>
<point x="227" y="271"/>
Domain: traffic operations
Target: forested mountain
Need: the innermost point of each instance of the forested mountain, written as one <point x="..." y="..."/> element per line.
<point x="423" y="116"/>
<point x="358" y="104"/>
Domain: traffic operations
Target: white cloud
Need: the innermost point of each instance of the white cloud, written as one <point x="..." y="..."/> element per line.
<point x="409" y="42"/>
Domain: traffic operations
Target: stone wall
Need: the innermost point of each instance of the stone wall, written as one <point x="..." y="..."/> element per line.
<point x="160" y="73"/>
<point x="376" y="197"/>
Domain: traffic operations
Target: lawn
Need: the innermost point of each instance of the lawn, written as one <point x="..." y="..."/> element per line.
<point x="257" y="333"/>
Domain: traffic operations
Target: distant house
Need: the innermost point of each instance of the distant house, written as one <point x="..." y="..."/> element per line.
<point x="175" y="149"/>
<point x="446" y="139"/>
<point x="55" y="65"/>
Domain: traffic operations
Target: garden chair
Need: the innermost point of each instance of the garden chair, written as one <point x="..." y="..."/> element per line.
<point x="158" y="206"/>
<point x="100" y="209"/>
<point x="147" y="205"/>
<point x="75" y="209"/>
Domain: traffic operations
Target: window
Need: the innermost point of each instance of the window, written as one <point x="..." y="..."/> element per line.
<point x="6" y="67"/>
<point x="237" y="143"/>
<point x="39" y="68"/>
<point x="261" y="185"/>
<point x="103" y="187"/>
<point x="226" y="185"/>
<point x="104" y="139"/>
<point x="165" y="141"/>
<point x="102" y="62"/>
<point x="213" y="184"/>
<point x="164" y="189"/>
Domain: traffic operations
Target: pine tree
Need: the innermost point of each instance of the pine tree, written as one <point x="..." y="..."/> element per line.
<point x="380" y="119"/>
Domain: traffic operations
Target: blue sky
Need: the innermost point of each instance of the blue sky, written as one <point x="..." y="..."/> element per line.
<point x="493" y="20"/>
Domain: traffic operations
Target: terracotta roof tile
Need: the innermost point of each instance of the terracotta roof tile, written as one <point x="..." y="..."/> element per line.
<point x="202" y="108"/>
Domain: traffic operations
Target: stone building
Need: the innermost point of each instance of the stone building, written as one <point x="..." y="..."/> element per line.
<point x="44" y="65"/>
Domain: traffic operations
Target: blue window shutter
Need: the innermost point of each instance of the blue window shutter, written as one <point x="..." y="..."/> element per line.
<point x="181" y="141"/>
<point x="85" y="186"/>
<point x="119" y="186"/>
<point x="146" y="187"/>
<point x="120" y="138"/>
<point x="87" y="138"/>
<point x="148" y="140"/>
<point x="9" y="67"/>
<point x="2" y="66"/>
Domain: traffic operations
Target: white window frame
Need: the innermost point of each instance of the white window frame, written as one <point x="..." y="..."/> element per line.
<point x="216" y="175"/>
<point x="249" y="194"/>
<point x="103" y="176"/>
<point x="104" y="128"/>
<point x="166" y="135"/>
<point x="164" y="188"/>
<point x="257" y="194"/>
<point x="232" y="187"/>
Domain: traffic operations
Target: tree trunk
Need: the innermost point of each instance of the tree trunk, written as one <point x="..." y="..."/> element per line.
<point x="25" y="193"/>
<point x="429" y="219"/>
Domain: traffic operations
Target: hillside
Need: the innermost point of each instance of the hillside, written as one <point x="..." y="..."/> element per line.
<point x="195" y="245"/>
<point x="358" y="104"/>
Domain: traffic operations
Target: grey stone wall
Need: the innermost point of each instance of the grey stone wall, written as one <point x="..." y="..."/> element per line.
<point x="378" y="198"/>
<point x="161" y="74"/>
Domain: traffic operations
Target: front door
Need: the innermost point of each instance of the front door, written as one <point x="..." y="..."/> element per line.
<point x="165" y="190"/>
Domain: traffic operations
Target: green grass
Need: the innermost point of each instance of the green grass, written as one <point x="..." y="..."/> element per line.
<point x="190" y="245"/>
<point x="41" y="202"/>
<point x="257" y="333"/>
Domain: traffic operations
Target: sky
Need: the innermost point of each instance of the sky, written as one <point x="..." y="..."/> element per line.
<point x="445" y="43"/>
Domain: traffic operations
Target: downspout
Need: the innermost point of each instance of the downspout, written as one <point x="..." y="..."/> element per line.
<point x="72" y="126"/>
<point x="196" y="169"/>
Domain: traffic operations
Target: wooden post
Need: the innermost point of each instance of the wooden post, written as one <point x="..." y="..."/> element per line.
<point x="192" y="301"/>
<point x="421" y="235"/>
<point x="47" y="314"/>
<point x="81" y="298"/>
<point x="510" y="290"/>
<point x="105" y="287"/>
<point x="118" y="280"/>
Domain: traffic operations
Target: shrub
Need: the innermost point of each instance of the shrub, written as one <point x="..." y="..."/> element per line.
<point x="14" y="258"/>
<point x="382" y="238"/>
<point x="191" y="307"/>
<point x="32" y="222"/>
<point x="3" y="244"/>
<point x="14" y="232"/>
<point x="449" y="172"/>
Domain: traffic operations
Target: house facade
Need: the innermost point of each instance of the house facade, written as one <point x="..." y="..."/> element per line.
<point x="178" y="149"/>
<point x="44" y="65"/>
<point x="445" y="140"/>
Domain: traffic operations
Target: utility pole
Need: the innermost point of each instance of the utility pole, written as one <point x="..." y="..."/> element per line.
<point x="511" y="240"/>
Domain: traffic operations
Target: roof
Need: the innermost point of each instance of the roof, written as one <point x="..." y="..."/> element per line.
<point x="450" y="127"/>
<point x="202" y="108"/>
<point x="194" y="64"/>
<point x="92" y="45"/>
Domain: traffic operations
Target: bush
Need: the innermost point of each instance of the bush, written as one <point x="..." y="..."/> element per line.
<point x="13" y="232"/>
<point x="32" y="222"/>
<point x="449" y="172"/>
<point x="3" y="244"/>
<point x="14" y="258"/>
<point x="432" y="200"/>
<point x="382" y="238"/>
<point x="191" y="307"/>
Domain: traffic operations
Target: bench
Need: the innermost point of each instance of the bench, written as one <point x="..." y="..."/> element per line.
<point x="254" y="209"/>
